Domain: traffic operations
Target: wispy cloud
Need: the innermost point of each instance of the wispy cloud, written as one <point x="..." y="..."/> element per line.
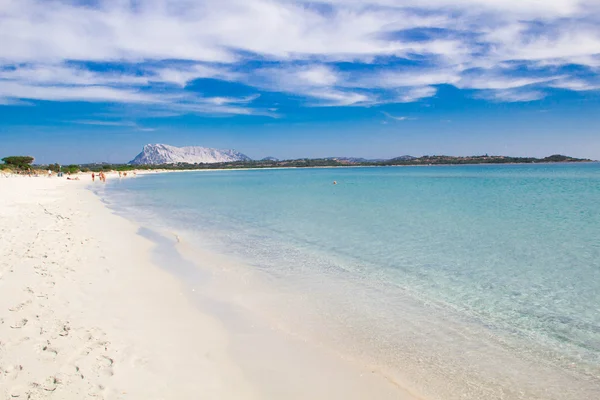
<point x="394" y="117"/>
<point x="512" y="95"/>
<point x="327" y="53"/>
<point x="104" y="123"/>
<point x="125" y="124"/>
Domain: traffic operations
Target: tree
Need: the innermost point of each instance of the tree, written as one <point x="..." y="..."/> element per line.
<point x="556" y="158"/>
<point x="21" y="162"/>
<point x="70" y="169"/>
<point x="54" y="167"/>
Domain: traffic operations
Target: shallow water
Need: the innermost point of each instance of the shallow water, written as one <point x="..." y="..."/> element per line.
<point x="457" y="281"/>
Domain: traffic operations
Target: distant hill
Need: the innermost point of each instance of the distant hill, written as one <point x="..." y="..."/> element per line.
<point x="157" y="154"/>
<point x="355" y="160"/>
<point x="168" y="157"/>
<point x="403" y="158"/>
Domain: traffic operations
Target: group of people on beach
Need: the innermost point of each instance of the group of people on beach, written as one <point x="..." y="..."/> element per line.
<point x="101" y="176"/>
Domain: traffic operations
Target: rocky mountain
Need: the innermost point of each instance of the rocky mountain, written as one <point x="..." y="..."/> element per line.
<point x="270" y="159"/>
<point x="165" y="154"/>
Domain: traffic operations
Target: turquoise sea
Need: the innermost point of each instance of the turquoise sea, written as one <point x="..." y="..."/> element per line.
<point x="467" y="282"/>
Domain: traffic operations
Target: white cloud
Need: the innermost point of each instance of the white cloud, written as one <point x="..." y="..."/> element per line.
<point x="512" y="95"/>
<point x="397" y="118"/>
<point x="14" y="90"/>
<point x="405" y="77"/>
<point x="60" y="74"/>
<point x="333" y="97"/>
<point x="578" y="85"/>
<point x="231" y="100"/>
<point x="182" y="75"/>
<point x="416" y="93"/>
<point x="317" y="82"/>
<point x="554" y="8"/>
<point x="104" y="123"/>
<point x="319" y="75"/>
<point x="330" y="52"/>
<point x="125" y="124"/>
<point x="495" y="80"/>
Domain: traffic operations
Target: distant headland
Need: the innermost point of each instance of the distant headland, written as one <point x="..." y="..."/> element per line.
<point x="358" y="162"/>
<point x="197" y="157"/>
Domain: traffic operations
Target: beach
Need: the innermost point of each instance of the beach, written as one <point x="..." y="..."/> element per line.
<point x="85" y="312"/>
<point x="186" y="286"/>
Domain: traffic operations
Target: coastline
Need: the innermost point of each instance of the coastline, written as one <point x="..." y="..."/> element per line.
<point x="161" y="171"/>
<point x="114" y="174"/>
<point x="94" y="302"/>
<point x="86" y="310"/>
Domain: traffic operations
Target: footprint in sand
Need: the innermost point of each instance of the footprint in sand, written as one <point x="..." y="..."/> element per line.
<point x="78" y="371"/>
<point x="48" y="349"/>
<point x="19" y="392"/>
<point x="50" y="384"/>
<point x="65" y="330"/>
<point x="20" y="306"/>
<point x="19" y="324"/>
<point x="105" y="365"/>
<point x="96" y="391"/>
<point x="40" y="391"/>
<point x="12" y="371"/>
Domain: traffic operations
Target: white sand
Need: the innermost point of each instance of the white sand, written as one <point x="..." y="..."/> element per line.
<point x="85" y="313"/>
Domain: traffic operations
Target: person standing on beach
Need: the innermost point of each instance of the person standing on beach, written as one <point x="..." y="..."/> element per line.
<point x="93" y="177"/>
<point x="49" y="173"/>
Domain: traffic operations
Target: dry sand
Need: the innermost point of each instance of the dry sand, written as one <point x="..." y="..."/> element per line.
<point x="85" y="314"/>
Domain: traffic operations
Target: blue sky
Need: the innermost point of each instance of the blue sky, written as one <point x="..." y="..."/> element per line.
<point x="95" y="80"/>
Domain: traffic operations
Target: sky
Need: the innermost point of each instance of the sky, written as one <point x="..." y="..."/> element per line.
<point x="94" y="80"/>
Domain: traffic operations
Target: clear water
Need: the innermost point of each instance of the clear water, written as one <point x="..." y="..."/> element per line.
<point x="481" y="276"/>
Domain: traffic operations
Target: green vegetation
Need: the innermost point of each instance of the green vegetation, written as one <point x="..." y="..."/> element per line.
<point x="67" y="169"/>
<point x="18" y="162"/>
<point x="54" y="167"/>
<point x="338" y="162"/>
<point x="70" y="169"/>
<point x="441" y="160"/>
<point x="24" y="163"/>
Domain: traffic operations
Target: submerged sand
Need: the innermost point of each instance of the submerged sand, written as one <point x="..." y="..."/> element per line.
<point x="85" y="312"/>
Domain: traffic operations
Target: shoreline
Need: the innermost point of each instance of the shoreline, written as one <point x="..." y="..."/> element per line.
<point x="114" y="173"/>
<point x="88" y="309"/>
<point x="85" y="312"/>
<point x="111" y="304"/>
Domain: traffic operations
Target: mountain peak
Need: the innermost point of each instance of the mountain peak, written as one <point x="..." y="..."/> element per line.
<point x="166" y="154"/>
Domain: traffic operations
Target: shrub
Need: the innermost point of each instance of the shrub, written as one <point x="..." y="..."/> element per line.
<point x="70" y="169"/>
<point x="20" y="162"/>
